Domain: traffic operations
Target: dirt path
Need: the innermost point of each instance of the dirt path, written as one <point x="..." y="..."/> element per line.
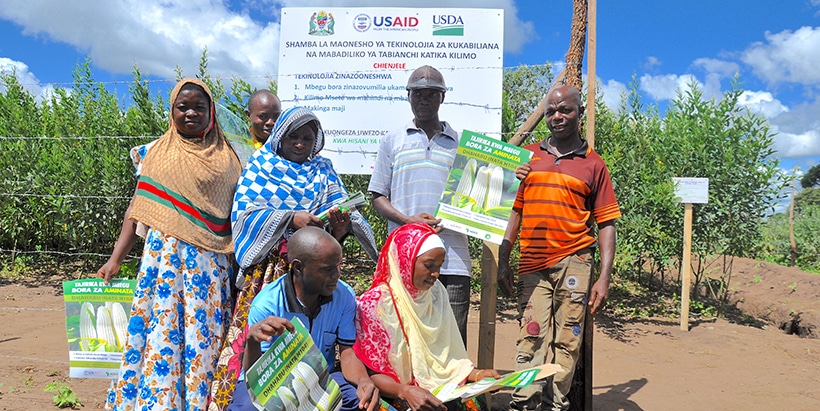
<point x="648" y="365"/>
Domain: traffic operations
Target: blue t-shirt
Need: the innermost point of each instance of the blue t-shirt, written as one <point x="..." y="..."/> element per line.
<point x="333" y="324"/>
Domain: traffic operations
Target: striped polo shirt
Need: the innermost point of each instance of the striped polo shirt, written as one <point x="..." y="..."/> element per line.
<point x="558" y="202"/>
<point x="411" y="171"/>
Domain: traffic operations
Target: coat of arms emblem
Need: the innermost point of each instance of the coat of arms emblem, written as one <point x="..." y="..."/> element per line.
<point x="321" y="24"/>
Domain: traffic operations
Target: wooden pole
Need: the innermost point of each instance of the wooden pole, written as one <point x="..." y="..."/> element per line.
<point x="591" y="76"/>
<point x="686" y="267"/>
<point x="487" y="313"/>
<point x="486" y="317"/>
<point x="577" y="41"/>
<point x="592" y="44"/>
<point x="589" y="332"/>
<point x="793" y="248"/>
<point x="582" y="380"/>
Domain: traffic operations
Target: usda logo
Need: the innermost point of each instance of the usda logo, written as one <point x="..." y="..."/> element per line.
<point x="448" y="25"/>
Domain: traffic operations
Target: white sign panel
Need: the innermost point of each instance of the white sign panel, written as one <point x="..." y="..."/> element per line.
<point x="351" y="65"/>
<point x="691" y="190"/>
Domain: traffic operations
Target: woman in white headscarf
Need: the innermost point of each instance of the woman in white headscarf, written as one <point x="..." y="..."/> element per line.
<point x="406" y="333"/>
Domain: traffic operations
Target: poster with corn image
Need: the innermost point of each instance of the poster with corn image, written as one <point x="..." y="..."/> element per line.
<point x="96" y="322"/>
<point x="481" y="187"/>
<point x="293" y="375"/>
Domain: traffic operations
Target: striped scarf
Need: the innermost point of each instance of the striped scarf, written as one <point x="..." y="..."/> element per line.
<point x="185" y="186"/>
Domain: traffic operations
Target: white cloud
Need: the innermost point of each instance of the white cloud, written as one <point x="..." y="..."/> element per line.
<point x="722" y="68"/>
<point x="158" y="35"/>
<point x="666" y="86"/>
<point x="25" y="77"/>
<point x="787" y="57"/>
<point x="155" y="35"/>
<point x="651" y="62"/>
<point x="613" y="93"/>
<point x="762" y="102"/>
<point x="790" y="145"/>
<point x="798" y="131"/>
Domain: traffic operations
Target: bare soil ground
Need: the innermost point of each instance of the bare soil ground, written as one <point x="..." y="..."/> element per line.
<point x="648" y="364"/>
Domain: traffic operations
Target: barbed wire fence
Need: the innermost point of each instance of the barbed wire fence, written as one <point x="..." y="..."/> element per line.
<point x="557" y="65"/>
<point x="62" y="196"/>
<point x="58" y="196"/>
<point x="21" y="191"/>
<point x="24" y="193"/>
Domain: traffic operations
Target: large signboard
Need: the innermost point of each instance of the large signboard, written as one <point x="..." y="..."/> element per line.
<point x="351" y="65"/>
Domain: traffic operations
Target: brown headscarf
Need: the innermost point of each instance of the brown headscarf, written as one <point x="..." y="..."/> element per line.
<point x="186" y="185"/>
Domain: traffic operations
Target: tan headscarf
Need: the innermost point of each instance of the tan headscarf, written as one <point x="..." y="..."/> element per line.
<point x="186" y="185"/>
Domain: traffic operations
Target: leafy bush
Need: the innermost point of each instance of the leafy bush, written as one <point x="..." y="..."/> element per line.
<point x="775" y="245"/>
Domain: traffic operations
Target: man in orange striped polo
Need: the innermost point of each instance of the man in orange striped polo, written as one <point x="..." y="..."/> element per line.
<point x="565" y="190"/>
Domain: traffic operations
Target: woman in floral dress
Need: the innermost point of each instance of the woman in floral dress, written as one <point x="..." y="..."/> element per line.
<point x="181" y="308"/>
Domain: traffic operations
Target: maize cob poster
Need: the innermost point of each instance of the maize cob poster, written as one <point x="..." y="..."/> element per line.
<point x="517" y="379"/>
<point x="293" y="375"/>
<point x="481" y="187"/>
<point x="96" y="323"/>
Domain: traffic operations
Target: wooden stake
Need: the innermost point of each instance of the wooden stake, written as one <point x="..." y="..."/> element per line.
<point x="793" y="247"/>
<point x="592" y="44"/>
<point x="686" y="267"/>
<point x="487" y="313"/>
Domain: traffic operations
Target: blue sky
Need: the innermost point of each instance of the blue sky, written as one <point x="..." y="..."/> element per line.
<point x="773" y="46"/>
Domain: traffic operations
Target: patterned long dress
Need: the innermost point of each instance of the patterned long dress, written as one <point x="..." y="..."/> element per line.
<point x="229" y="365"/>
<point x="178" y="319"/>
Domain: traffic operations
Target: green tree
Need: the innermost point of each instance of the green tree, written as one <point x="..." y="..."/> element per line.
<point x="717" y="139"/>
<point x="811" y="178"/>
<point x="633" y="144"/>
<point x="146" y="117"/>
<point x="523" y="89"/>
<point x="775" y="244"/>
<point x="807" y="197"/>
<point x="214" y="83"/>
<point x="17" y="106"/>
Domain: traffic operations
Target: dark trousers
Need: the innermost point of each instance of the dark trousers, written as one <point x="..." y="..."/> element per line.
<point x="458" y="290"/>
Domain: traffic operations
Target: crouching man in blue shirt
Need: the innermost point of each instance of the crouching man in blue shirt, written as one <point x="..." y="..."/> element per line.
<point x="313" y="292"/>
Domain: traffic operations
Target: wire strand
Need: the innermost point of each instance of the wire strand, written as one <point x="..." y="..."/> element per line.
<point x="269" y="77"/>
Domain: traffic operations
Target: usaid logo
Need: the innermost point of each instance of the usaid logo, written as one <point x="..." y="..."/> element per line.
<point x="395" y="23"/>
<point x="448" y="25"/>
<point x="361" y="22"/>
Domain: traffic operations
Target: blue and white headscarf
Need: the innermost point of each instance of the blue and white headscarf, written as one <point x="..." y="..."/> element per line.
<point x="271" y="189"/>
